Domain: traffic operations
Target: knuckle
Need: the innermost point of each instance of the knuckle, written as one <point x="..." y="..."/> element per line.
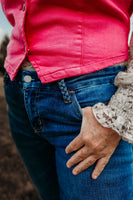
<point x="86" y="138"/>
<point x="91" y="162"/>
<point x="103" y="154"/>
<point x="79" y="158"/>
<point x="73" y="148"/>
<point x="95" y="147"/>
<point x="98" y="170"/>
<point x="82" y="153"/>
<point x="78" y="170"/>
<point x="71" y="163"/>
<point x="86" y="164"/>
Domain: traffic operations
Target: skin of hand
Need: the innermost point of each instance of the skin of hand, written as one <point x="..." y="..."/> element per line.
<point x="94" y="143"/>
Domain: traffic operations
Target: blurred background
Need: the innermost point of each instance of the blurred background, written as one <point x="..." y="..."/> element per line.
<point x="15" y="183"/>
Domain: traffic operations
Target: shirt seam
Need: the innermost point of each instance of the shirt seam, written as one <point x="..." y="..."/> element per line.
<point x="80" y="66"/>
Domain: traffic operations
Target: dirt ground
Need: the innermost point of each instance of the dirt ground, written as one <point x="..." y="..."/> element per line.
<point x="15" y="183"/>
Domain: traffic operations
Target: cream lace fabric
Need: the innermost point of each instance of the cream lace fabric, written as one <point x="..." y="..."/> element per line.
<point x="118" y="114"/>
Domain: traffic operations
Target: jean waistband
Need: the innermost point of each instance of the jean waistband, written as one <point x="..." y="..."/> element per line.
<point x="72" y="82"/>
<point x="31" y="79"/>
<point x="103" y="72"/>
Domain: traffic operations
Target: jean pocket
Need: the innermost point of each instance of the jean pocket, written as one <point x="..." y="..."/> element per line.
<point x="31" y="100"/>
<point x="90" y="96"/>
<point x="76" y="106"/>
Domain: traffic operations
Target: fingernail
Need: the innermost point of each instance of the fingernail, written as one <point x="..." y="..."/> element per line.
<point x="68" y="165"/>
<point x="66" y="150"/>
<point x="94" y="177"/>
<point x="75" y="172"/>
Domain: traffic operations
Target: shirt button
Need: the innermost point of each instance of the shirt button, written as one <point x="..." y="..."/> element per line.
<point x="27" y="78"/>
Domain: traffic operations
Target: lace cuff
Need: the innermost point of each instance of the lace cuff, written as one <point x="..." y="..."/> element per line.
<point x="118" y="114"/>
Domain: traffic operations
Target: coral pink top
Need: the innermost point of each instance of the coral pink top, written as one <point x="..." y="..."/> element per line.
<point x="63" y="38"/>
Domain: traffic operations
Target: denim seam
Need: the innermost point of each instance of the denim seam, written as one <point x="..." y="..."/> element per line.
<point x="27" y="111"/>
<point x="37" y="110"/>
<point x="26" y="107"/>
<point x="75" y="104"/>
<point x="87" y="87"/>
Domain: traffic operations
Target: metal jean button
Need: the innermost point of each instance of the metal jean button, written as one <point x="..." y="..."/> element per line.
<point x="27" y="78"/>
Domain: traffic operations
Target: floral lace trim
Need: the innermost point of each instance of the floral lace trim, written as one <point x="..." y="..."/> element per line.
<point x="118" y="114"/>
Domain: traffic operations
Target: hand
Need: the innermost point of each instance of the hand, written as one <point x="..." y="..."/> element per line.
<point x="94" y="143"/>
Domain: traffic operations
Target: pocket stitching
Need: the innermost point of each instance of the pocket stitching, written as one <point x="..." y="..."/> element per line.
<point x="75" y="103"/>
<point x="37" y="130"/>
<point x="37" y="110"/>
<point x="92" y="86"/>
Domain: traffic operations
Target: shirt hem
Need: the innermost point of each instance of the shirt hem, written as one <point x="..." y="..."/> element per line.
<point x="68" y="71"/>
<point x="78" y="70"/>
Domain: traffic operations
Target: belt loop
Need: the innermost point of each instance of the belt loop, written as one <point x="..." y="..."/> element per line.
<point x="64" y="91"/>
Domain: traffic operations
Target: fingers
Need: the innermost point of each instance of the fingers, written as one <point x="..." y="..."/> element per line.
<point x="76" y="144"/>
<point x="84" y="165"/>
<point x="78" y="156"/>
<point x="101" y="163"/>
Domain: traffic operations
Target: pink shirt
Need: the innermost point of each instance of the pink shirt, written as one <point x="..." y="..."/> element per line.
<point x="63" y="38"/>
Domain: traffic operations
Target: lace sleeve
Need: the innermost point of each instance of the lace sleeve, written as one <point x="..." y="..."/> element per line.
<point x="118" y="114"/>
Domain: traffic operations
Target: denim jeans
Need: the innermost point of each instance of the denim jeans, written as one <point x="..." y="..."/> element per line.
<point x="45" y="118"/>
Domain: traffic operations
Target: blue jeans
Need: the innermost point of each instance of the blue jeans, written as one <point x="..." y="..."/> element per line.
<point x="45" y="118"/>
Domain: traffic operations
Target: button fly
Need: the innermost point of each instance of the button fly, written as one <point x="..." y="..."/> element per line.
<point x="27" y="78"/>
